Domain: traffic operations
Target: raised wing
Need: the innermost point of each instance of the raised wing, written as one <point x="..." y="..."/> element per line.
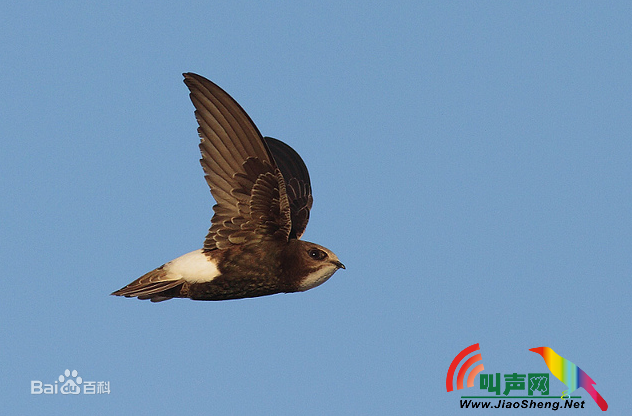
<point x="249" y="189"/>
<point x="298" y="187"/>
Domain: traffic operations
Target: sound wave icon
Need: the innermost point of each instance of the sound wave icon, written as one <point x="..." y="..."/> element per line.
<point x="466" y="366"/>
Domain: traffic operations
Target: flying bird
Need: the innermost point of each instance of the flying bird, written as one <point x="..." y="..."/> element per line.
<point x="263" y="199"/>
<point x="569" y="374"/>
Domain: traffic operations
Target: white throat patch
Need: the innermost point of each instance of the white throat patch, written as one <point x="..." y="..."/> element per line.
<point x="317" y="277"/>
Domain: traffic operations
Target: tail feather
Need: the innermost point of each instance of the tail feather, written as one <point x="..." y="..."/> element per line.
<point x="154" y="285"/>
<point x="590" y="389"/>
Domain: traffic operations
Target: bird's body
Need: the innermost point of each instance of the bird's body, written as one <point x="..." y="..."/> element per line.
<point x="569" y="374"/>
<point x="263" y="195"/>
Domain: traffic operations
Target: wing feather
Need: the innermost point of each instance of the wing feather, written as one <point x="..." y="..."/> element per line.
<point x="298" y="187"/>
<point x="249" y="189"/>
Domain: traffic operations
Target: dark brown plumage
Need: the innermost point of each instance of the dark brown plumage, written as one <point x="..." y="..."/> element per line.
<point x="263" y="199"/>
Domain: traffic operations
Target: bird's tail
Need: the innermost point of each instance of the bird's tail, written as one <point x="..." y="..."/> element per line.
<point x="590" y="389"/>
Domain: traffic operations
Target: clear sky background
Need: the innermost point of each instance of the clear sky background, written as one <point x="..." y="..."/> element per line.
<point x="470" y="162"/>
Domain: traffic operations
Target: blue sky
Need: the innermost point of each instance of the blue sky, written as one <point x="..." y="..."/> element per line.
<point x="470" y="163"/>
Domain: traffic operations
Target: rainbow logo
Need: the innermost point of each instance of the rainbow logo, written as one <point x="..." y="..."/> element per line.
<point x="466" y="366"/>
<point x="569" y="374"/>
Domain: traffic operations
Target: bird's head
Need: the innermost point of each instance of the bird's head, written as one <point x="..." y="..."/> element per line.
<point x="539" y="350"/>
<point x="317" y="263"/>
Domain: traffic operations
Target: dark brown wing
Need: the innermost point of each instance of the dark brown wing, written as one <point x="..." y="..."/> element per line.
<point x="298" y="187"/>
<point x="248" y="187"/>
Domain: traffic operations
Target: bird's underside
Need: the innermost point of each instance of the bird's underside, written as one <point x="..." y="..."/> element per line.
<point x="263" y="194"/>
<point x="162" y="283"/>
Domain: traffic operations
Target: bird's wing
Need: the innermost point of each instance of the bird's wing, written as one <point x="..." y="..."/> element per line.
<point x="249" y="189"/>
<point x="298" y="187"/>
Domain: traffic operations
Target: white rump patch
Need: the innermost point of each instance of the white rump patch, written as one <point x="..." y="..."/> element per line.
<point x="194" y="267"/>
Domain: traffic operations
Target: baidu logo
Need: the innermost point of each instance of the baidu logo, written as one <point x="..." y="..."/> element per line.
<point x="70" y="383"/>
<point x="71" y="386"/>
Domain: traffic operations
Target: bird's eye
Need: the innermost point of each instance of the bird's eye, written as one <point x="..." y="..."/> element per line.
<point x="317" y="254"/>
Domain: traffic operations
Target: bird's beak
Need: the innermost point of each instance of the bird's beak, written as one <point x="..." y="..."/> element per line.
<point x="339" y="265"/>
<point x="536" y="350"/>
